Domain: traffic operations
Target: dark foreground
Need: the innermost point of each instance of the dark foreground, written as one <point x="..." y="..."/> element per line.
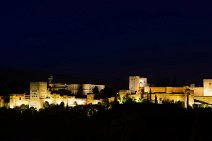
<point x="126" y="122"/>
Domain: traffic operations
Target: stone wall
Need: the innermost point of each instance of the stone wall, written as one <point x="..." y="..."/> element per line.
<point x="18" y="100"/>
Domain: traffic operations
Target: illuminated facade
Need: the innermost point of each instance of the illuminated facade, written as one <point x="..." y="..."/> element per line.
<point x="136" y="84"/>
<point x="139" y="90"/>
<point x="73" y="88"/>
<point x="86" y="88"/>
<point x="207" y="84"/>
<point x="2" y="104"/>
<point x="189" y="95"/>
<point x="40" y="94"/>
<point x="17" y="100"/>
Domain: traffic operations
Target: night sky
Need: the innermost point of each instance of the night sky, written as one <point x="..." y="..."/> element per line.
<point x="108" y="40"/>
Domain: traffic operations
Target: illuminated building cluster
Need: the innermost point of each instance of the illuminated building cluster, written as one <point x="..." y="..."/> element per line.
<point x="41" y="92"/>
<point x="139" y="90"/>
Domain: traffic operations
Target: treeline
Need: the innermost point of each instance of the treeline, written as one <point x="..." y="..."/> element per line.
<point x="129" y="121"/>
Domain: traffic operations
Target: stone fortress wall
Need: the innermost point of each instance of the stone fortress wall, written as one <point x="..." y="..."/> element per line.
<point x="41" y="92"/>
<point x="139" y="89"/>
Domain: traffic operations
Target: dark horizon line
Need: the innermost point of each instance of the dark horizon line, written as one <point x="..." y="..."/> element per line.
<point x="121" y="80"/>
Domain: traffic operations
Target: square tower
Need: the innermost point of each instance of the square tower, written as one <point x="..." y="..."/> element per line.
<point x="38" y="91"/>
<point x="136" y="83"/>
<point x="207" y="86"/>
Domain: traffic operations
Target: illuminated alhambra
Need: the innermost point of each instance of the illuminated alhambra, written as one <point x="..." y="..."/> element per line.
<point x="139" y="90"/>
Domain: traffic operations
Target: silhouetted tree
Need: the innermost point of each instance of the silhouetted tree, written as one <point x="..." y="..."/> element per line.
<point x="80" y="91"/>
<point x="127" y="99"/>
<point x="63" y="92"/>
<point x="156" y="99"/>
<point x="23" y="107"/>
<point x="46" y="104"/>
<point x="105" y="103"/>
<point x="109" y="91"/>
<point x="150" y="95"/>
<point x="62" y="104"/>
<point x="95" y="90"/>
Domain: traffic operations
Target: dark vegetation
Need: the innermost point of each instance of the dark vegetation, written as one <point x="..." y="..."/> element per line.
<point x="107" y="92"/>
<point x="129" y="121"/>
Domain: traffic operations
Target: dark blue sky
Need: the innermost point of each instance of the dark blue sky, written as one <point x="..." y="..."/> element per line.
<point x="109" y="39"/>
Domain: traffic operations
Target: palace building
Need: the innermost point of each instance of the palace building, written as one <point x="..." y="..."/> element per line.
<point x="139" y="90"/>
<point x="189" y="95"/>
<point x="42" y="92"/>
